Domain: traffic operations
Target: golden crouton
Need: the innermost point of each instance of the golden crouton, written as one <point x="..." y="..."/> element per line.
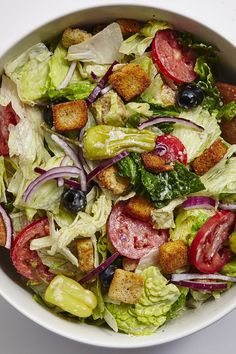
<point x="2" y="232"/>
<point x="126" y="287"/>
<point x="129" y="27"/>
<point x="129" y="264"/>
<point x="140" y="208"/>
<point x="85" y="254"/>
<point x="130" y="81"/>
<point x="172" y="256"/>
<point x="69" y="116"/>
<point x="109" y="179"/>
<point x="73" y="36"/>
<point x="155" y="163"/>
<point x="209" y="158"/>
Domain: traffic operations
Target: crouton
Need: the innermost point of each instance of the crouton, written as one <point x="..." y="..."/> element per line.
<point x="172" y="256"/>
<point x="126" y="287"/>
<point x="85" y="254"/>
<point x="73" y="36"/>
<point x="104" y="112"/>
<point x="129" y="27"/>
<point x="209" y="158"/>
<point x="130" y="81"/>
<point x="155" y="163"/>
<point x="69" y="116"/>
<point x="140" y="208"/>
<point x="2" y="232"/>
<point x="129" y="264"/>
<point x="109" y="179"/>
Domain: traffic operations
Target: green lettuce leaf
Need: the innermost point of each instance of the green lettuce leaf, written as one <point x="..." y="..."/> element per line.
<point x="98" y="312"/>
<point x="152" y="26"/>
<point x="74" y="91"/>
<point x="188" y="222"/>
<point x="85" y="70"/>
<point x="102" y="245"/>
<point x="179" y="306"/>
<point x="128" y="168"/>
<point x="229" y="269"/>
<point x="228" y="111"/>
<point x="194" y="141"/>
<point x="3" y="176"/>
<point x="159" y="93"/>
<point x="57" y="263"/>
<point x="30" y="72"/>
<point x="163" y="218"/>
<point x="153" y="307"/>
<point x="147" y="64"/>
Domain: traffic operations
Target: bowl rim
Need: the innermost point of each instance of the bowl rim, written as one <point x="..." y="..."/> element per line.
<point x="161" y="5"/>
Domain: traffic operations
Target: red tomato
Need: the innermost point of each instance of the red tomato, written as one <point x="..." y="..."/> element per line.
<point x="7" y="117"/>
<point x="131" y="237"/>
<point x="27" y="262"/>
<point x="174" y="61"/>
<point x="175" y="149"/>
<point x="207" y="252"/>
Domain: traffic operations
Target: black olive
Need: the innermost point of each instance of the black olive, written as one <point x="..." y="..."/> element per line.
<point x="48" y="116"/>
<point x="190" y="96"/>
<point x="106" y="275"/>
<point x="74" y="200"/>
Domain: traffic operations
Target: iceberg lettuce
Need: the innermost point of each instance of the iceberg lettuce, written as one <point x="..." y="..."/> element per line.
<point x="152" y="26"/>
<point x="2" y="181"/>
<point x="163" y="218"/>
<point x="158" y="93"/>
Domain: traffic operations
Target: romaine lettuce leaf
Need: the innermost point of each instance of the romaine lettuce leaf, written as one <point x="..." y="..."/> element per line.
<point x="2" y="181"/>
<point x="159" y="93"/>
<point x="152" y="26"/>
<point x="147" y="64"/>
<point x="74" y="91"/>
<point x="163" y="218"/>
<point x="85" y="70"/>
<point x="229" y="269"/>
<point x="179" y="306"/>
<point x="30" y="72"/>
<point x="228" y="111"/>
<point x="194" y="141"/>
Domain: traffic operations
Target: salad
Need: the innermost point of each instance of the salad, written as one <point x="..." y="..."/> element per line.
<point x="117" y="174"/>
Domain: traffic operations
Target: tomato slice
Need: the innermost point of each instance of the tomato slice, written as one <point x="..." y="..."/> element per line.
<point x="175" y="149"/>
<point x="132" y="238"/>
<point x="173" y="60"/>
<point x="27" y="262"/>
<point x="208" y="252"/>
<point x="7" y="117"/>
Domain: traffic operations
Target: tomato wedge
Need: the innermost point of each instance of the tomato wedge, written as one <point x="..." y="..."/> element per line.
<point x="175" y="149"/>
<point x="131" y="237"/>
<point x="27" y="262"/>
<point x="208" y="252"/>
<point x="173" y="60"/>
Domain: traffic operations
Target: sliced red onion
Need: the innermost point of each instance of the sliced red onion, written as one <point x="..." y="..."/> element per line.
<point x="105" y="164"/>
<point x="199" y="202"/>
<point x="101" y="84"/>
<point x="106" y="89"/>
<point x="56" y="172"/>
<point x="208" y="286"/>
<point x="83" y="161"/>
<point x="68" y="182"/>
<point x="71" y="153"/>
<point x="184" y="276"/>
<point x="169" y="119"/>
<point x="224" y="206"/>
<point x="8" y="226"/>
<point x="99" y="269"/>
<point x="161" y="149"/>
<point x="94" y="76"/>
<point x="68" y="77"/>
<point x="64" y="162"/>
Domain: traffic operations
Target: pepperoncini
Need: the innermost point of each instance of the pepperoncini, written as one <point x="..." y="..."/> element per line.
<point x="105" y="141"/>
<point x="70" y="296"/>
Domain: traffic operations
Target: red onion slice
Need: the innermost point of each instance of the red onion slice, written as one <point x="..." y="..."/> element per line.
<point x="64" y="162"/>
<point x="71" y="153"/>
<point x="99" y="269"/>
<point x="199" y="202"/>
<point x="224" y="206"/>
<point x="68" y="77"/>
<point x="8" y="226"/>
<point x="56" y="172"/>
<point x="169" y="119"/>
<point x="208" y="286"/>
<point x="161" y="149"/>
<point x="183" y="277"/>
<point x="94" y="76"/>
<point x="100" y="86"/>
<point x="68" y="182"/>
<point x="105" y="164"/>
<point x="106" y="89"/>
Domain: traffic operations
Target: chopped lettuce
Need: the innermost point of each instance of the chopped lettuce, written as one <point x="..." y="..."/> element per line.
<point x="30" y="72"/>
<point x="102" y="245"/>
<point x="163" y="218"/>
<point x="221" y="178"/>
<point x="159" y="93"/>
<point x="74" y="91"/>
<point x="92" y="50"/>
<point x="85" y="70"/>
<point x="152" y="26"/>
<point x="98" y="312"/>
<point x="8" y="94"/>
<point x="141" y="108"/>
<point x="179" y="306"/>
<point x="57" y="263"/>
<point x="153" y="307"/>
<point x="228" y="111"/>
<point x="188" y="222"/>
<point x="2" y="181"/>
<point x="194" y="141"/>
<point x="147" y="64"/>
<point x="229" y="269"/>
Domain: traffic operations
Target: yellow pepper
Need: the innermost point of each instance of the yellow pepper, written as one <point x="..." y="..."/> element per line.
<point x="70" y="296"/>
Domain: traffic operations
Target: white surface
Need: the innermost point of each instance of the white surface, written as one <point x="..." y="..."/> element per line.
<point x="20" y="335"/>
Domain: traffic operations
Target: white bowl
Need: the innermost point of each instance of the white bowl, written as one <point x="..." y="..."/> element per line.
<point x="179" y="15"/>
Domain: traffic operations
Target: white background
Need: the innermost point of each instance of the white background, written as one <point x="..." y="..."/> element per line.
<point x="18" y="335"/>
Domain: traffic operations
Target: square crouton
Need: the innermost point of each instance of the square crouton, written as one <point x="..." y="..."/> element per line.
<point x="140" y="208"/>
<point x="85" y="254"/>
<point x="73" y="36"/>
<point x="172" y="256"/>
<point x="129" y="27"/>
<point x="109" y="179"/>
<point x="126" y="287"/>
<point x="130" y="81"/>
<point x="69" y="116"/>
